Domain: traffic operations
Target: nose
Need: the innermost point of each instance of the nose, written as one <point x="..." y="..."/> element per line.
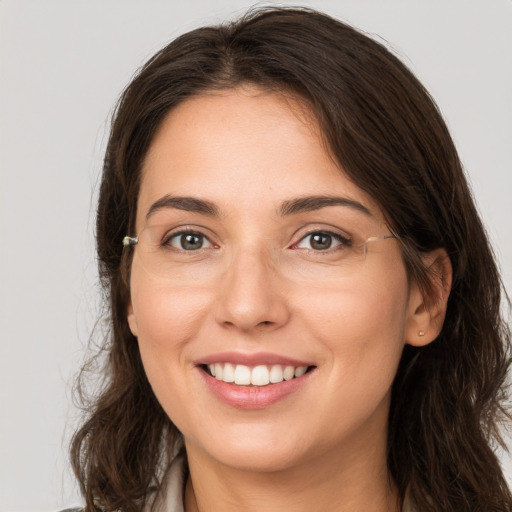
<point x="251" y="295"/>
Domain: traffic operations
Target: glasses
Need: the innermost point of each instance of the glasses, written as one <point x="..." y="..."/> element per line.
<point x="191" y="254"/>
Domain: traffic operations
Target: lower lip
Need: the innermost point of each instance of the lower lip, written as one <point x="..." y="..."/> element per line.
<point x="253" y="397"/>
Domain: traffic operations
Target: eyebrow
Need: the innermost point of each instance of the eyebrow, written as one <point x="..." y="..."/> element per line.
<point x="189" y="204"/>
<point x="313" y="203"/>
<point x="291" y="207"/>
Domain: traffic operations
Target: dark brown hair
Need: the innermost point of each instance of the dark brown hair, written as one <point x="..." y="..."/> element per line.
<point x="387" y="134"/>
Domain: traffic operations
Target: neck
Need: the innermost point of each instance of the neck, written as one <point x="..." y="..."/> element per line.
<point x="331" y="482"/>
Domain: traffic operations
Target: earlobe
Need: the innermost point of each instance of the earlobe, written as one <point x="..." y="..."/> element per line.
<point x="132" y="320"/>
<point x="427" y="313"/>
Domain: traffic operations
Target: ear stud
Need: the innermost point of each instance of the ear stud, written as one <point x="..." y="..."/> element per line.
<point x="421" y="333"/>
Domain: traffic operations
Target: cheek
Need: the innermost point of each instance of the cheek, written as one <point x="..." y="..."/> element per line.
<point x="362" y="336"/>
<point x="167" y="319"/>
<point x="362" y="327"/>
<point x="166" y="312"/>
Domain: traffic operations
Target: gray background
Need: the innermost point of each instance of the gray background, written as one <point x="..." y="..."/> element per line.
<point x="62" y="66"/>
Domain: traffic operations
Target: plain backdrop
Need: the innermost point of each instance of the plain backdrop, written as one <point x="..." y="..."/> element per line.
<point x="62" y="66"/>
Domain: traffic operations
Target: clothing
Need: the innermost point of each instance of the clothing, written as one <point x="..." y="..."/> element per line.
<point x="170" y="499"/>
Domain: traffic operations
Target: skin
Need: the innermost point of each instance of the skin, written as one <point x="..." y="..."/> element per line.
<point x="256" y="288"/>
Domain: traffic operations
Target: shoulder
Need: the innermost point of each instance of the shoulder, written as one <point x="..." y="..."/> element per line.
<point x="170" y="497"/>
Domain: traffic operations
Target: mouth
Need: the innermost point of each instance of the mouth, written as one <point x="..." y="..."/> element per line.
<point x="260" y="375"/>
<point x="254" y="381"/>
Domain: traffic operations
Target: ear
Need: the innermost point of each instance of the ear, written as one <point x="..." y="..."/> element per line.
<point x="132" y="319"/>
<point x="426" y="313"/>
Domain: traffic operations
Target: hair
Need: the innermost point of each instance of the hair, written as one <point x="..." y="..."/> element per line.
<point x="386" y="133"/>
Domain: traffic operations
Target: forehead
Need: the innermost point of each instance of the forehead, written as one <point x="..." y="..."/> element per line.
<point x="244" y="148"/>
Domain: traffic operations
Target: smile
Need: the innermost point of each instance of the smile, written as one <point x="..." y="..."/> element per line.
<point x="253" y="381"/>
<point x="261" y="375"/>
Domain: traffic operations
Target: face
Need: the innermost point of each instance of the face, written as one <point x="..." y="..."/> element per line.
<point x="251" y="264"/>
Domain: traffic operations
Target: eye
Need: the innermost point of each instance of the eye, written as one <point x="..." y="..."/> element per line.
<point x="188" y="241"/>
<point x="322" y="241"/>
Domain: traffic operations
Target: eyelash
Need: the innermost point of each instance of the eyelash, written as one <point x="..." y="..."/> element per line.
<point x="166" y="241"/>
<point x="343" y="242"/>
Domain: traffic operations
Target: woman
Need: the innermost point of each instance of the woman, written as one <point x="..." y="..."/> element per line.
<point x="305" y="308"/>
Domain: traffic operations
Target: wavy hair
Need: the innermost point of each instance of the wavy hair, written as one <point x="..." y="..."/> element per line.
<point x="385" y="131"/>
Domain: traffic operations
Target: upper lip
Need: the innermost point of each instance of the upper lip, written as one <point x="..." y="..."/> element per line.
<point x="251" y="359"/>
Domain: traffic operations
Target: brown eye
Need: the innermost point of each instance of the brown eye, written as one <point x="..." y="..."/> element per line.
<point x="322" y="241"/>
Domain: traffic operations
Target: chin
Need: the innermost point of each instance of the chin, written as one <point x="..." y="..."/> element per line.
<point x="255" y="457"/>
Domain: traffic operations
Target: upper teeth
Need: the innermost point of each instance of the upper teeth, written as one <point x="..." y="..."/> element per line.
<point x="257" y="376"/>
